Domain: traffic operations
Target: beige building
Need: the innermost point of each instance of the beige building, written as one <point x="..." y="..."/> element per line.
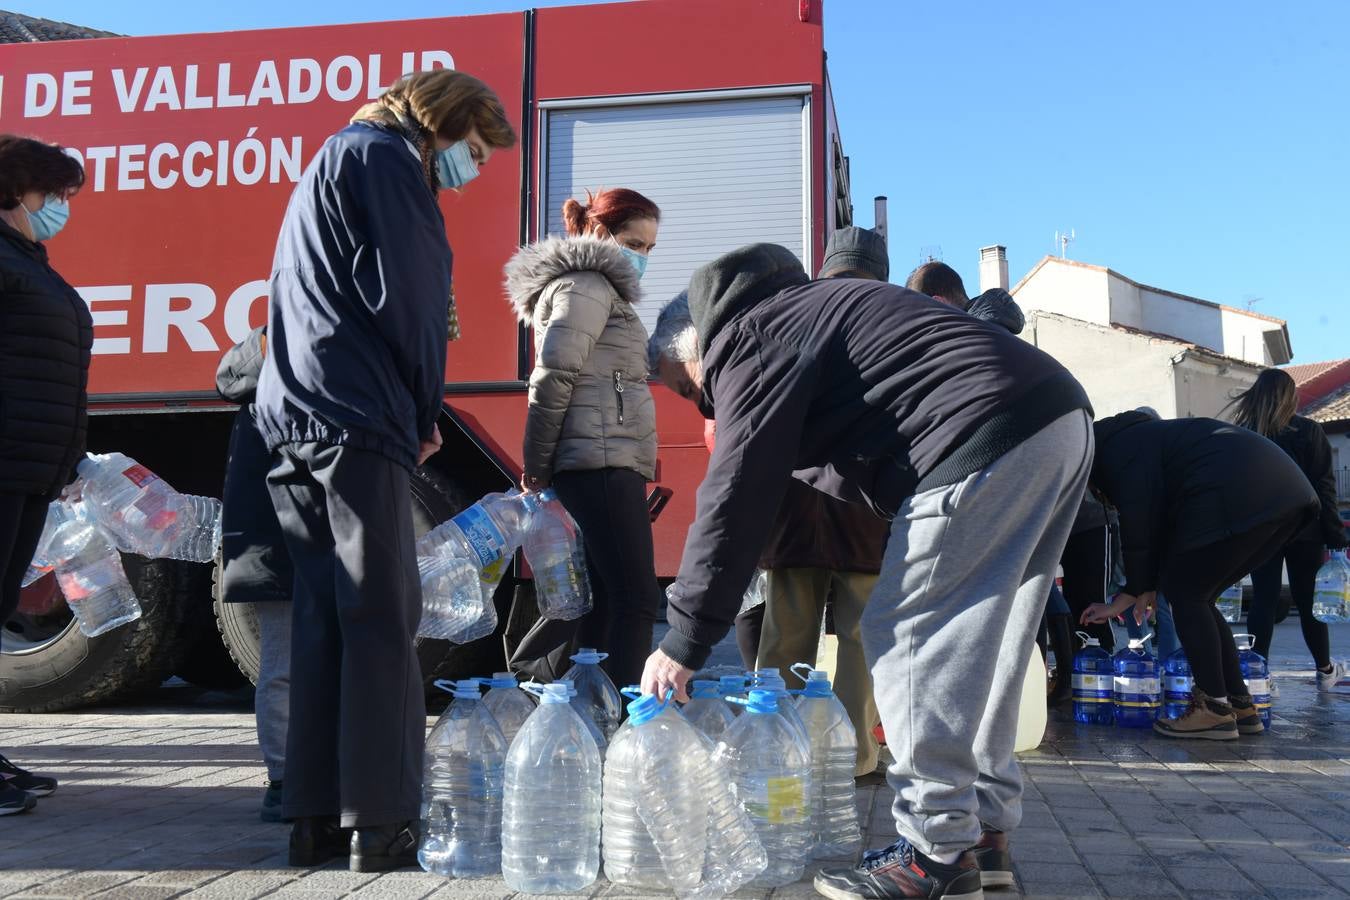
<point x="1134" y="345"/>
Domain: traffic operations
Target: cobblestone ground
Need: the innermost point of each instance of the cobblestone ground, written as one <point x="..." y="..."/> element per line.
<point x="160" y="800"/>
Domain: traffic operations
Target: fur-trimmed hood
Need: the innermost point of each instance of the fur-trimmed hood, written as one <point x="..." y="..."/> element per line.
<point x="536" y="266"/>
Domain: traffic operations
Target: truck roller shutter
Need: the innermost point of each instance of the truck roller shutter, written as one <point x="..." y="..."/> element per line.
<point x="725" y="172"/>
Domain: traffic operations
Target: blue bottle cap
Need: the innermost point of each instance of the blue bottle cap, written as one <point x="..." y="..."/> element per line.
<point x="761" y="702"/>
<point x="500" y="680"/>
<point x="817" y="686"/>
<point x="646" y="708"/>
<point x="587" y="656"/>
<point x="548" y="693"/>
<point x="467" y="689"/>
<point x="702" y="688"/>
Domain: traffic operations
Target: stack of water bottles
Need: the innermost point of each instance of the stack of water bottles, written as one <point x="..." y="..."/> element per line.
<point x="461" y="562"/>
<point x="1331" y="591"/>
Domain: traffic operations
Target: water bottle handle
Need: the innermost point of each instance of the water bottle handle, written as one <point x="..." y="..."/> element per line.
<point x="445" y="684"/>
<point x="533" y="688"/>
<point x="739" y="701"/>
<point x="631" y="690"/>
<point x="807" y="667"/>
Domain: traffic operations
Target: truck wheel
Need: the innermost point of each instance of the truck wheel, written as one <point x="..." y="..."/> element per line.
<point x="435" y="498"/>
<point x="48" y="665"/>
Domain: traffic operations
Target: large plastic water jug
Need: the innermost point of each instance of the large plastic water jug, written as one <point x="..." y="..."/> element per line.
<point x="463" y="768"/>
<point x="485" y="535"/>
<point x="90" y="575"/>
<point x="557" y="555"/>
<point x="1093" y="683"/>
<point x="770" y="680"/>
<point x="834" y="756"/>
<point x="772" y="773"/>
<point x="1138" y="686"/>
<point x="144" y="514"/>
<point x="1032" y="713"/>
<point x="1331" y="590"/>
<point x="706" y="710"/>
<point x="1256" y="673"/>
<point x="509" y="705"/>
<point x="1177" y="685"/>
<point x="58" y="512"/>
<point x="453" y="604"/>
<point x="551" y="805"/>
<point x="596" y="693"/>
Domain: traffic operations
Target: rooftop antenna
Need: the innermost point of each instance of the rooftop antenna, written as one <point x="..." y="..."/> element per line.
<point x="930" y="253"/>
<point x="1063" y="239"/>
<point x="1252" y="301"/>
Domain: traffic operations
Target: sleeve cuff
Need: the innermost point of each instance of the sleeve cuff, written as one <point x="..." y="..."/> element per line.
<point x="685" y="651"/>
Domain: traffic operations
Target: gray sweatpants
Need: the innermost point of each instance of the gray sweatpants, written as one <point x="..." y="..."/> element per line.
<point x="272" y="701"/>
<point x="951" y="623"/>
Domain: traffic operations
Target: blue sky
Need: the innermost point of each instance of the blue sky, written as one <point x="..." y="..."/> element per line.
<point x="1199" y="147"/>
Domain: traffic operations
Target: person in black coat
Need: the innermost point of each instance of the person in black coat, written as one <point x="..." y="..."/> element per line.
<point x="1268" y="408"/>
<point x="255" y="567"/>
<point x="1201" y="502"/>
<point x="46" y="334"/>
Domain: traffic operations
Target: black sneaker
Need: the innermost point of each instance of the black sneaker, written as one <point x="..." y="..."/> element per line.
<point x="14" y="801"/>
<point x="37" y="785"/>
<point x="317" y="839"/>
<point x="995" y="862"/>
<point x="271" y="806"/>
<point x="901" y="871"/>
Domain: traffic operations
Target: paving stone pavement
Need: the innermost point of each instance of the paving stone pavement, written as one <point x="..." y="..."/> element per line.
<point x="161" y="801"/>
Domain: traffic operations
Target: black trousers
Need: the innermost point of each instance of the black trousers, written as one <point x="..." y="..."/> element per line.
<point x="21" y="519"/>
<point x="1303" y="558"/>
<point x="1084" y="562"/>
<point x="748" y="627"/>
<point x="358" y="715"/>
<point x="1192" y="580"/>
<point x="610" y="505"/>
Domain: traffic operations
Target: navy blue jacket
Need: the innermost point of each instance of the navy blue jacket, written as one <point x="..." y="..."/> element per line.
<point x="359" y="307"/>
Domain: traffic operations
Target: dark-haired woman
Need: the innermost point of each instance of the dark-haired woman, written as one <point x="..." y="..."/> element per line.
<point x="591" y="427"/>
<point x="1268" y="408"/>
<point x="45" y="336"/>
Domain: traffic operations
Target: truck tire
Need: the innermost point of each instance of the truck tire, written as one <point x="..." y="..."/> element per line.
<point x="435" y="498"/>
<point x="68" y="670"/>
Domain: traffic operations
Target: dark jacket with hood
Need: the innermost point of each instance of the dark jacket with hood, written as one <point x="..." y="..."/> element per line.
<point x="46" y="334"/>
<point x="1182" y="484"/>
<point x="358" y="317"/>
<point x="864" y="388"/>
<point x="1307" y="444"/>
<point x="254" y="562"/>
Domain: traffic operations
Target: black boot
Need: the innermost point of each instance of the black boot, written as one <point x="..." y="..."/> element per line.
<point x="317" y="839"/>
<point x="382" y="848"/>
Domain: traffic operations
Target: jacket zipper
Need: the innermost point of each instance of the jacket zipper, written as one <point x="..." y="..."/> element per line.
<point x="618" y="392"/>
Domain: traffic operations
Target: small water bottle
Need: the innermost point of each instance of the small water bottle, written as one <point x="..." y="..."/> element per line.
<point x="1138" y="687"/>
<point x="144" y="514"/>
<point x="597" y="697"/>
<point x="553" y="546"/>
<point x="1093" y="683"/>
<point x="551" y="809"/>
<point x="1256" y="673"/>
<point x="509" y="705"/>
<point x="1230" y="603"/>
<point x="453" y="607"/>
<point x="771" y="680"/>
<point x="772" y="774"/>
<point x="464" y="762"/>
<point x="1177" y="685"/>
<point x="834" y="756"/>
<point x="90" y="575"/>
<point x="706" y="710"/>
<point x="1331" y="590"/>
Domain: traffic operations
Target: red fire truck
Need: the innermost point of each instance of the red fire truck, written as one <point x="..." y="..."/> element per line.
<point x="719" y="110"/>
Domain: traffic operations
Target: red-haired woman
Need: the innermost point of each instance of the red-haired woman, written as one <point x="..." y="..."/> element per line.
<point x="45" y="337"/>
<point x="591" y="428"/>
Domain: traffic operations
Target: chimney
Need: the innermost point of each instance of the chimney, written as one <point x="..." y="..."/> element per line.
<point x="993" y="267"/>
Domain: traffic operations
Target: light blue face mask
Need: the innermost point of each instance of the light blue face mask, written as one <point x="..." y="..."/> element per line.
<point x="637" y="259"/>
<point x="455" y="166"/>
<point x="49" y="219"/>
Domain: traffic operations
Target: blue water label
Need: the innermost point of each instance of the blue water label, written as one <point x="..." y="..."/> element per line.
<point x="484" y="537"/>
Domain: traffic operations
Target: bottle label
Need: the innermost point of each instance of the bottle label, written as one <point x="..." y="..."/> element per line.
<point x="1258" y="687"/>
<point x="484" y="537"/>
<point x="1177" y="684"/>
<point x="1093" y="683"/>
<point x="781" y="801"/>
<point x="139" y="475"/>
<point x="1137" y="691"/>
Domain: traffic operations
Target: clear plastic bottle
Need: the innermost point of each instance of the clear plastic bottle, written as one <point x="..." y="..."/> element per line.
<point x="1177" y="684"/>
<point x="89" y="573"/>
<point x="772" y="774"/>
<point x="1230" y="603"/>
<point x="464" y="765"/>
<point x="144" y="514"/>
<point x="834" y="756"/>
<point x="551" y="811"/>
<point x="486" y="534"/>
<point x="553" y="546"/>
<point x="1137" y="687"/>
<point x="1331" y="591"/>
<point x="597" y="696"/>
<point x="771" y="680"/>
<point x="1256" y="673"/>
<point x="706" y="710"/>
<point x="630" y="856"/>
<point x="584" y="710"/>
<point x="58" y="512"/>
<point x="453" y="608"/>
<point x="510" y="705"/>
<point x="1093" y="683"/>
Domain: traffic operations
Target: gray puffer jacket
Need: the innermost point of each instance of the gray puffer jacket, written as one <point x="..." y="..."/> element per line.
<point x="589" y="403"/>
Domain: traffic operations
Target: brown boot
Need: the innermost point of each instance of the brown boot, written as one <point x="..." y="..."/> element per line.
<point x="1248" y="716"/>
<point x="1205" y="719"/>
<point x="995" y="861"/>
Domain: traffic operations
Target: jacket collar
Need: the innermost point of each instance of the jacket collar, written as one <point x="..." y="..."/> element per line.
<point x="22" y="243"/>
<point x="536" y="266"/>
